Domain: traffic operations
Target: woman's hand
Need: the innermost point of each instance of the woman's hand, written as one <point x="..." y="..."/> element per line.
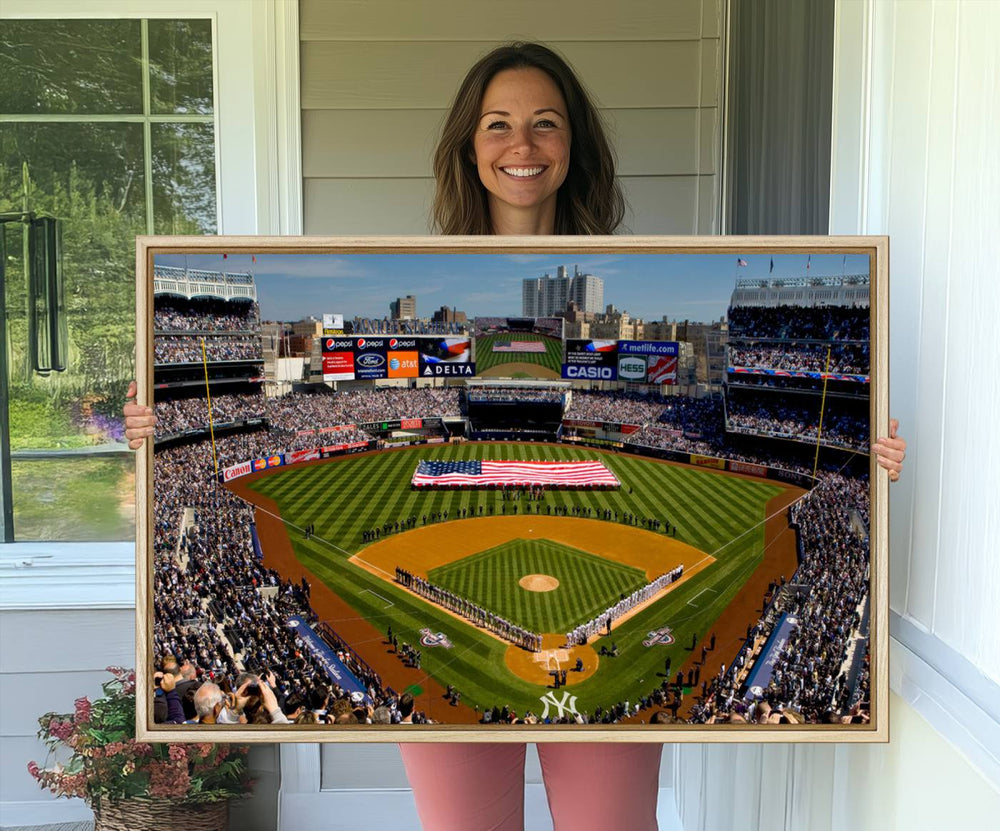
<point x="139" y="420"/>
<point x="890" y="451"/>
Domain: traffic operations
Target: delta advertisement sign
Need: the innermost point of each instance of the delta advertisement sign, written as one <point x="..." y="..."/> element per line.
<point x="373" y="358"/>
<point x="638" y="361"/>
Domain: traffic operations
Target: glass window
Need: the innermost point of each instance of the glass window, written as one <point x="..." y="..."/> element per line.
<point x="71" y="67"/>
<point x="109" y="126"/>
<point x="180" y="66"/>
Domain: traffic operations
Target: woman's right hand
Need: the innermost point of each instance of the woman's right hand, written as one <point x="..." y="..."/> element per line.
<point x="139" y="420"/>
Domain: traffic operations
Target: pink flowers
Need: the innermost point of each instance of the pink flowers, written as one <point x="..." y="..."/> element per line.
<point x="168" y="779"/>
<point x="107" y="763"/>
<point x="83" y="710"/>
<point x="113" y="748"/>
<point x="62" y="730"/>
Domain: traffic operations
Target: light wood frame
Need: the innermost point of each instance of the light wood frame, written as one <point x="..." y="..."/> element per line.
<point x="875" y="247"/>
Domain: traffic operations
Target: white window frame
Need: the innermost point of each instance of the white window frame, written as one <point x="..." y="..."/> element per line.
<point x="941" y="684"/>
<point x="259" y="191"/>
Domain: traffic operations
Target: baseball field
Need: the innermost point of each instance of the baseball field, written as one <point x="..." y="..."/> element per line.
<point x="490" y="364"/>
<point x="548" y="567"/>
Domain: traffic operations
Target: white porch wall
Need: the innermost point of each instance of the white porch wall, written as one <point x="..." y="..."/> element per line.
<point x="377" y="79"/>
<point x="915" y="156"/>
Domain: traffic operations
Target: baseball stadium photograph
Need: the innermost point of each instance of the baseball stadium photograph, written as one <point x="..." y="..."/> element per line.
<point x="503" y="492"/>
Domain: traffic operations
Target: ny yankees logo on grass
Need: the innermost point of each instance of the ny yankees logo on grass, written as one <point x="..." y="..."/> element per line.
<point x="659" y="637"/>
<point x="565" y="706"/>
<point x="431" y="639"/>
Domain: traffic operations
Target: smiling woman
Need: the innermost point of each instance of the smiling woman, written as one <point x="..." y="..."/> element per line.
<point x="523" y="151"/>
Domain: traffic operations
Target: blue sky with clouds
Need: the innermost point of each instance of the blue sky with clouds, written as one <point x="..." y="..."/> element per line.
<point x="679" y="286"/>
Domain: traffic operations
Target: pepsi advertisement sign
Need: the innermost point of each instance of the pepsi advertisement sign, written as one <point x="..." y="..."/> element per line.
<point x="367" y="358"/>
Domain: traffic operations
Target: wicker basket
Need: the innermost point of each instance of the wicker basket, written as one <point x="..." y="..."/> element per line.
<point x="161" y="815"/>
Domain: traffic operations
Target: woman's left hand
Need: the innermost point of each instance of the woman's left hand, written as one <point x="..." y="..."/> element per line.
<point x="890" y="451"/>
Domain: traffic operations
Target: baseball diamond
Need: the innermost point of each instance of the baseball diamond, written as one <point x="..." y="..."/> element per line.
<point x="588" y="584"/>
<point x="479" y="544"/>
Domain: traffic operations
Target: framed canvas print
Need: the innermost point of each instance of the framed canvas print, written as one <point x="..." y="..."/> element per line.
<point x="470" y="489"/>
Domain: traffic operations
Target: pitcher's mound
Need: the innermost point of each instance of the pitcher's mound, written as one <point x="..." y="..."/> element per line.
<point x="538" y="582"/>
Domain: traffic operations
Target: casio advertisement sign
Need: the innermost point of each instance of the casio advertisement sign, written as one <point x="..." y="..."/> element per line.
<point x="631" y="368"/>
<point x="591" y="373"/>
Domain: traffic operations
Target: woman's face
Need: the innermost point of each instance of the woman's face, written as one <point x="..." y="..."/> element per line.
<point x="521" y="146"/>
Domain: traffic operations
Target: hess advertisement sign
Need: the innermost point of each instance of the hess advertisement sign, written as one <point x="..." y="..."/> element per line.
<point x="648" y="361"/>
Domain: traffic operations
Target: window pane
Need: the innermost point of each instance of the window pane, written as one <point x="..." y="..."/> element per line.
<point x="75" y="499"/>
<point x="180" y="66"/>
<point x="91" y="177"/>
<point x="73" y="478"/>
<point x="70" y="66"/>
<point x="184" y="179"/>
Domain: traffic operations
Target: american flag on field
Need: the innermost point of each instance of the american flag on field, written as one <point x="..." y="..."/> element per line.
<point x="484" y="474"/>
<point x="518" y="346"/>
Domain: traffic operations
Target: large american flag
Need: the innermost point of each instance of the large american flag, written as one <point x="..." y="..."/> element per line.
<point x="484" y="474"/>
<point x="518" y="346"/>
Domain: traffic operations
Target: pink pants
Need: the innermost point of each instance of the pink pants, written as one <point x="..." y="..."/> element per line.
<point x="480" y="787"/>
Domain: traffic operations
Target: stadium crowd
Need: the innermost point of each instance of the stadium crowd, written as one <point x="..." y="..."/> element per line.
<point x="514" y="394"/>
<point x="845" y="358"/>
<point x="221" y="618"/>
<point x="617" y="407"/>
<point x="172" y="314"/>
<point x="784" y="420"/>
<point x="800" y="322"/>
<point x="183" y="349"/>
<point x="175" y="415"/>
<point x="300" y="411"/>
<point x="826" y="596"/>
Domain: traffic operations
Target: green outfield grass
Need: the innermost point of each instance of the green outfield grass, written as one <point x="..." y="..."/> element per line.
<point x="719" y="514"/>
<point x="487" y="359"/>
<point x="587" y="584"/>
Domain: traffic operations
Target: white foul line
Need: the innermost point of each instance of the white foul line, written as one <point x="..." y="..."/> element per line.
<point x="691" y="602"/>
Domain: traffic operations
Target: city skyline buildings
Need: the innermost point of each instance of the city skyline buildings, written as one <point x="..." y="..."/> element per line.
<point x="403" y="308"/>
<point x="547" y="296"/>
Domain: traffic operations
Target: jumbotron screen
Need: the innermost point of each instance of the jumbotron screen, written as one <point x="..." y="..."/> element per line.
<point x="518" y="347"/>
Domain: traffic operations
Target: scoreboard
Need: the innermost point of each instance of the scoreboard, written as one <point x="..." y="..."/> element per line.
<point x="372" y="358"/>
<point x="638" y="361"/>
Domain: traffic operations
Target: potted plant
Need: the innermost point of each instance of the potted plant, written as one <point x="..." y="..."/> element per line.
<point x="130" y="785"/>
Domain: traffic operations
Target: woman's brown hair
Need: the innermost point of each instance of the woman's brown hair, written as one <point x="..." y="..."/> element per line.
<point x="589" y="201"/>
